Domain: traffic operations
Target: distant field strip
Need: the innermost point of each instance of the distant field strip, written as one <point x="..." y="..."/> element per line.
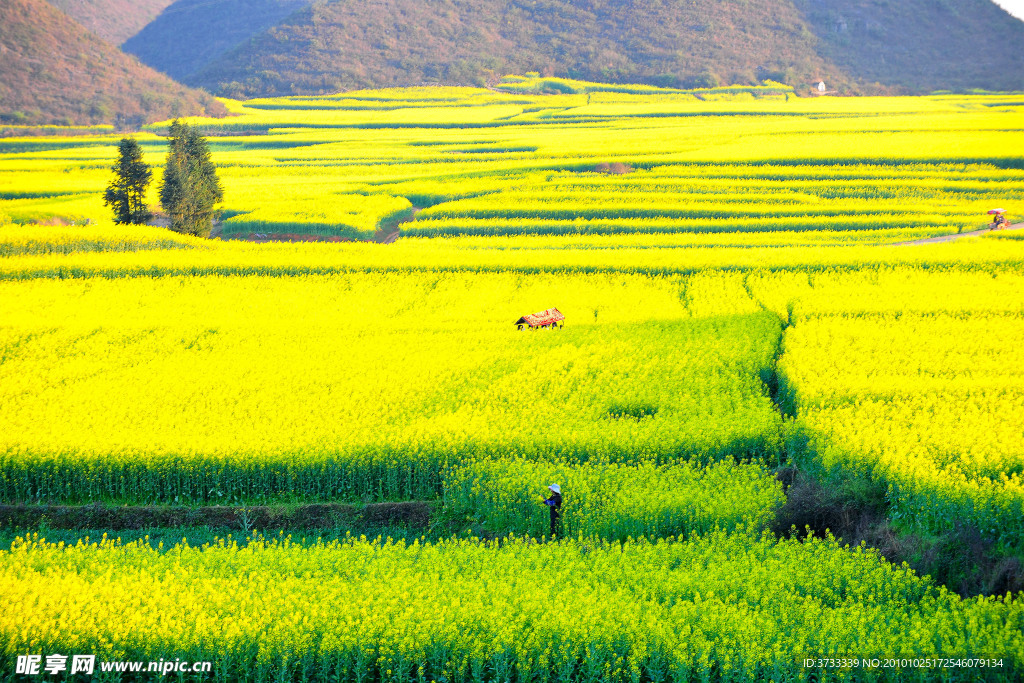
<point x="37" y="240"/>
<point x="586" y="161"/>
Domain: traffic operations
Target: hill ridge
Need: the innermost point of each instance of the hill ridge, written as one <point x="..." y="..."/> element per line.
<point x="53" y="70"/>
<point x="112" y="20"/>
<point x="212" y="28"/>
<point x="856" y="46"/>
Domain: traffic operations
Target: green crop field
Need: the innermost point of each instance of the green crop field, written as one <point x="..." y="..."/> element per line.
<point x="746" y="306"/>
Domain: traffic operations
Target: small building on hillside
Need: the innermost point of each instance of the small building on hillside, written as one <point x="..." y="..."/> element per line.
<point x="552" y="317"/>
<point x="821" y="87"/>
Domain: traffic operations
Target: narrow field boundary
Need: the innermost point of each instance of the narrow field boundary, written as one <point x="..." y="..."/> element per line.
<point x="411" y="514"/>
<point x="950" y="238"/>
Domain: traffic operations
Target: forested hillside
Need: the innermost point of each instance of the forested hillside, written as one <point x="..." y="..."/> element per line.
<point x="190" y="34"/>
<point x="115" y="21"/>
<point x="921" y="45"/>
<point x="856" y="46"/>
<point x="52" y="70"/>
<point x="346" y="44"/>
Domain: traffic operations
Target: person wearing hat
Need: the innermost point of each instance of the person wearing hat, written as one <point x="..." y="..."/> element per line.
<point x="554" y="503"/>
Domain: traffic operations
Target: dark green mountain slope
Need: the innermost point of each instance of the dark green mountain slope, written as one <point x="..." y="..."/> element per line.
<point x="921" y="45"/>
<point x="191" y="33"/>
<point x="115" y="21"/>
<point x="52" y="70"/>
<point x="854" y="45"/>
<point x="356" y="43"/>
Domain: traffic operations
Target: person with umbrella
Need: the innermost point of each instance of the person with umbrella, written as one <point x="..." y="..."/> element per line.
<point x="999" y="219"/>
<point x="554" y="503"/>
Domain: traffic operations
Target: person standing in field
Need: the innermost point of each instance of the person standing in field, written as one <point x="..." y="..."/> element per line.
<point x="554" y="503"/>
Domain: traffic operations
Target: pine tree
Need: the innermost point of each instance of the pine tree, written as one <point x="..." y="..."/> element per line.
<point x="126" y="193"/>
<point x="190" y="188"/>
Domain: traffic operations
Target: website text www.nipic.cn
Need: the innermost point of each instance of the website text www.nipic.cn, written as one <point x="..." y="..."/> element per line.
<point x="38" y="665"/>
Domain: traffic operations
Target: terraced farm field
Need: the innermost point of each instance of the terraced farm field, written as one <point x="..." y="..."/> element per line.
<point x="742" y="320"/>
<point x="481" y="162"/>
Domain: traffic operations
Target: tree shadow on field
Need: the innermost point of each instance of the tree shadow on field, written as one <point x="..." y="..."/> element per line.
<point x="854" y="510"/>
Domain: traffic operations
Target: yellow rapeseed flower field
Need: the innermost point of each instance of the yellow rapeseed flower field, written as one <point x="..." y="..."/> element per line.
<point x="366" y="384"/>
<point x="738" y="297"/>
<point x="615" y="500"/>
<point x="715" y="606"/>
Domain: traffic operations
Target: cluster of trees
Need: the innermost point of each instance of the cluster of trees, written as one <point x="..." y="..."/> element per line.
<point x="189" y="190"/>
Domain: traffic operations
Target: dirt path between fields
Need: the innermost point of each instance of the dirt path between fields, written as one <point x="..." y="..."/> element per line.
<point x="411" y="514"/>
<point x="950" y="238"/>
